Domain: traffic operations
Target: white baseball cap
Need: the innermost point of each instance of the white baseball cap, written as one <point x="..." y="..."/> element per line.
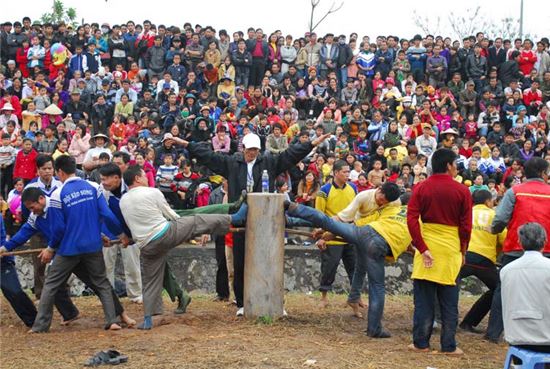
<point x="252" y="141"/>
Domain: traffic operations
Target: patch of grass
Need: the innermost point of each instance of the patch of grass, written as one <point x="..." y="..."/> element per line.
<point x="265" y="319"/>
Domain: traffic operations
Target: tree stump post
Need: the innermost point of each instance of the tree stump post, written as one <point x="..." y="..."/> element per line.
<point x="264" y="256"/>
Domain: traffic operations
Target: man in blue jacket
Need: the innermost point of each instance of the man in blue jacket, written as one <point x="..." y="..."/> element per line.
<point x="11" y="288"/>
<point x="76" y="213"/>
<point x="47" y="183"/>
<point x="34" y="199"/>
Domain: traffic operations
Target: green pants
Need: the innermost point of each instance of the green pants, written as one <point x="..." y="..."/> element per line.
<point x="210" y="209"/>
<point x="170" y="283"/>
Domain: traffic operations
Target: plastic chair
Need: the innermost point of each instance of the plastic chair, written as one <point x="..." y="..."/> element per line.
<point x="529" y="359"/>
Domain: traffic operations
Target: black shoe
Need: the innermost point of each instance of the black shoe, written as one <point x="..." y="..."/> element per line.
<point x="382" y="334"/>
<point x="221" y="299"/>
<point x="183" y="303"/>
<point x="469" y="328"/>
<point x="237" y="204"/>
<point x="491" y="339"/>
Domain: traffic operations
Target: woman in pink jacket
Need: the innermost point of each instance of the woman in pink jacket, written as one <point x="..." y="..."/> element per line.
<point x="80" y="144"/>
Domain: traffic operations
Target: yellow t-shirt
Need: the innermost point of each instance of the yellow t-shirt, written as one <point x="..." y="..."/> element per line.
<point x="332" y="199"/>
<point x="362" y="205"/>
<point x="402" y="152"/>
<point x="444" y="245"/>
<point x="292" y="131"/>
<point x="391" y="224"/>
<point x="482" y="242"/>
<point x="327" y="171"/>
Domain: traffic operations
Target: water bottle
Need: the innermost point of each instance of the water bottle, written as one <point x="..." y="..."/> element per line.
<point x="265" y="181"/>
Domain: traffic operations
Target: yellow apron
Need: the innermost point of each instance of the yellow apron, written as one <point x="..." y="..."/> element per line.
<point x="444" y="245"/>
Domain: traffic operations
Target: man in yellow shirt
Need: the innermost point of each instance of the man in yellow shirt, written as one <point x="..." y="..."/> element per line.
<point x="386" y="236"/>
<point x="481" y="257"/>
<point x="332" y="198"/>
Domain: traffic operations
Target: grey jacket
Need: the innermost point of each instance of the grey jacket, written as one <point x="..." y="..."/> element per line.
<point x="155" y="58"/>
<point x="525" y="285"/>
<point x="476" y="66"/>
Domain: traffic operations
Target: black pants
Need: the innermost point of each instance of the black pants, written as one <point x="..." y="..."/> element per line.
<point x="6" y="180"/>
<point x="257" y="71"/>
<point x="330" y="259"/>
<point x="18" y="299"/>
<point x="486" y="271"/>
<point x="222" y="279"/>
<point x="238" y="266"/>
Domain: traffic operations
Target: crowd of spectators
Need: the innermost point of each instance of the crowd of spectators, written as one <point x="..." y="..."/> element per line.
<point x="389" y="103"/>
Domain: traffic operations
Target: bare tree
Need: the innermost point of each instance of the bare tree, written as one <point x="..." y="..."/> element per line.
<point x="314" y="4"/>
<point x="467" y="24"/>
<point x="464" y="26"/>
<point x="426" y="24"/>
<point x="508" y="28"/>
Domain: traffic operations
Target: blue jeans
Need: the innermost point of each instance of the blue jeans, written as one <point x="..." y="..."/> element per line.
<point x="371" y="250"/>
<point x="18" y="299"/>
<point x="343" y="76"/>
<point x="483" y="131"/>
<point x="425" y="294"/>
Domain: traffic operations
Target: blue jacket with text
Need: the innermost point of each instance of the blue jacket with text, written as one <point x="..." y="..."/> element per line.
<point x="76" y="212"/>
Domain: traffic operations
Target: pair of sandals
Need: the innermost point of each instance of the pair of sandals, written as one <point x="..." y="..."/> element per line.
<point x="106" y="357"/>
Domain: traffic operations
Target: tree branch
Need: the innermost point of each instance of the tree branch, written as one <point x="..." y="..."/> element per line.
<point x="330" y="11"/>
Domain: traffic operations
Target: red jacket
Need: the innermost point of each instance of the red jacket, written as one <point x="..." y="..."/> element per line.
<point x="527" y="61"/>
<point x="532" y="205"/>
<point x="25" y="165"/>
<point x="22" y="60"/>
<point x="530" y="96"/>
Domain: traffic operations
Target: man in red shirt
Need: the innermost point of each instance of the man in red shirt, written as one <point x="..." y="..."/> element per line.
<point x="532" y="97"/>
<point x="445" y="208"/>
<point x="259" y="50"/>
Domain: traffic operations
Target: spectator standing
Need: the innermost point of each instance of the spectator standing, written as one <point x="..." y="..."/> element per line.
<point x="446" y="212"/>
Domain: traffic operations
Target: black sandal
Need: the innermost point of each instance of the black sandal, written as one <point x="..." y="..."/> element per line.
<point x="108" y="357"/>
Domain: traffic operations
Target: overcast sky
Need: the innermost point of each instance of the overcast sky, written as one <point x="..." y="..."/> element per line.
<point x="366" y="17"/>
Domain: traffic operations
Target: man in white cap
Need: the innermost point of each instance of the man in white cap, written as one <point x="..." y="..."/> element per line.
<point x="7" y="115"/>
<point x="91" y="160"/>
<point x="243" y="171"/>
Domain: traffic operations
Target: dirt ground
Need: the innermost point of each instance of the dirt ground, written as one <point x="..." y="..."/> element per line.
<point x="210" y="336"/>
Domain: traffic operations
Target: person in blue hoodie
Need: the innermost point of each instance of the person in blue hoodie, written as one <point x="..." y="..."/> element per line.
<point x="76" y="213"/>
<point x="11" y="288"/>
<point x="38" y="203"/>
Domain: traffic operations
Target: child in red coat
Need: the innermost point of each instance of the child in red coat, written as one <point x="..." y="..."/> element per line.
<point x="470" y="127"/>
<point x="117" y="131"/>
<point x="21" y="58"/>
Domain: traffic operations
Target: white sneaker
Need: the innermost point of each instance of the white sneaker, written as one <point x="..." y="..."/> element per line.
<point x="240" y="312"/>
<point x="137" y="300"/>
<point x="284" y="313"/>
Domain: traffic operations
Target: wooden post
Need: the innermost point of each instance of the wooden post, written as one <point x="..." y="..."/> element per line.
<point x="264" y="256"/>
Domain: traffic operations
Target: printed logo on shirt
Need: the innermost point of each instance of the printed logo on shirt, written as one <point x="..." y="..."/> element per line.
<point x="74" y="198"/>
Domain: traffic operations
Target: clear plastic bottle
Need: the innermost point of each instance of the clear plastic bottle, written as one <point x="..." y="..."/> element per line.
<point x="265" y="181"/>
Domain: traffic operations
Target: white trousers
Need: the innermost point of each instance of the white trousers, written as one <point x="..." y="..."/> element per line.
<point x="132" y="270"/>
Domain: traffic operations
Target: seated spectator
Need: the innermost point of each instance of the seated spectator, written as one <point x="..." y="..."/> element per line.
<point x="525" y="285"/>
<point x="276" y="142"/>
<point x="221" y="141"/>
<point x="308" y="187"/>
